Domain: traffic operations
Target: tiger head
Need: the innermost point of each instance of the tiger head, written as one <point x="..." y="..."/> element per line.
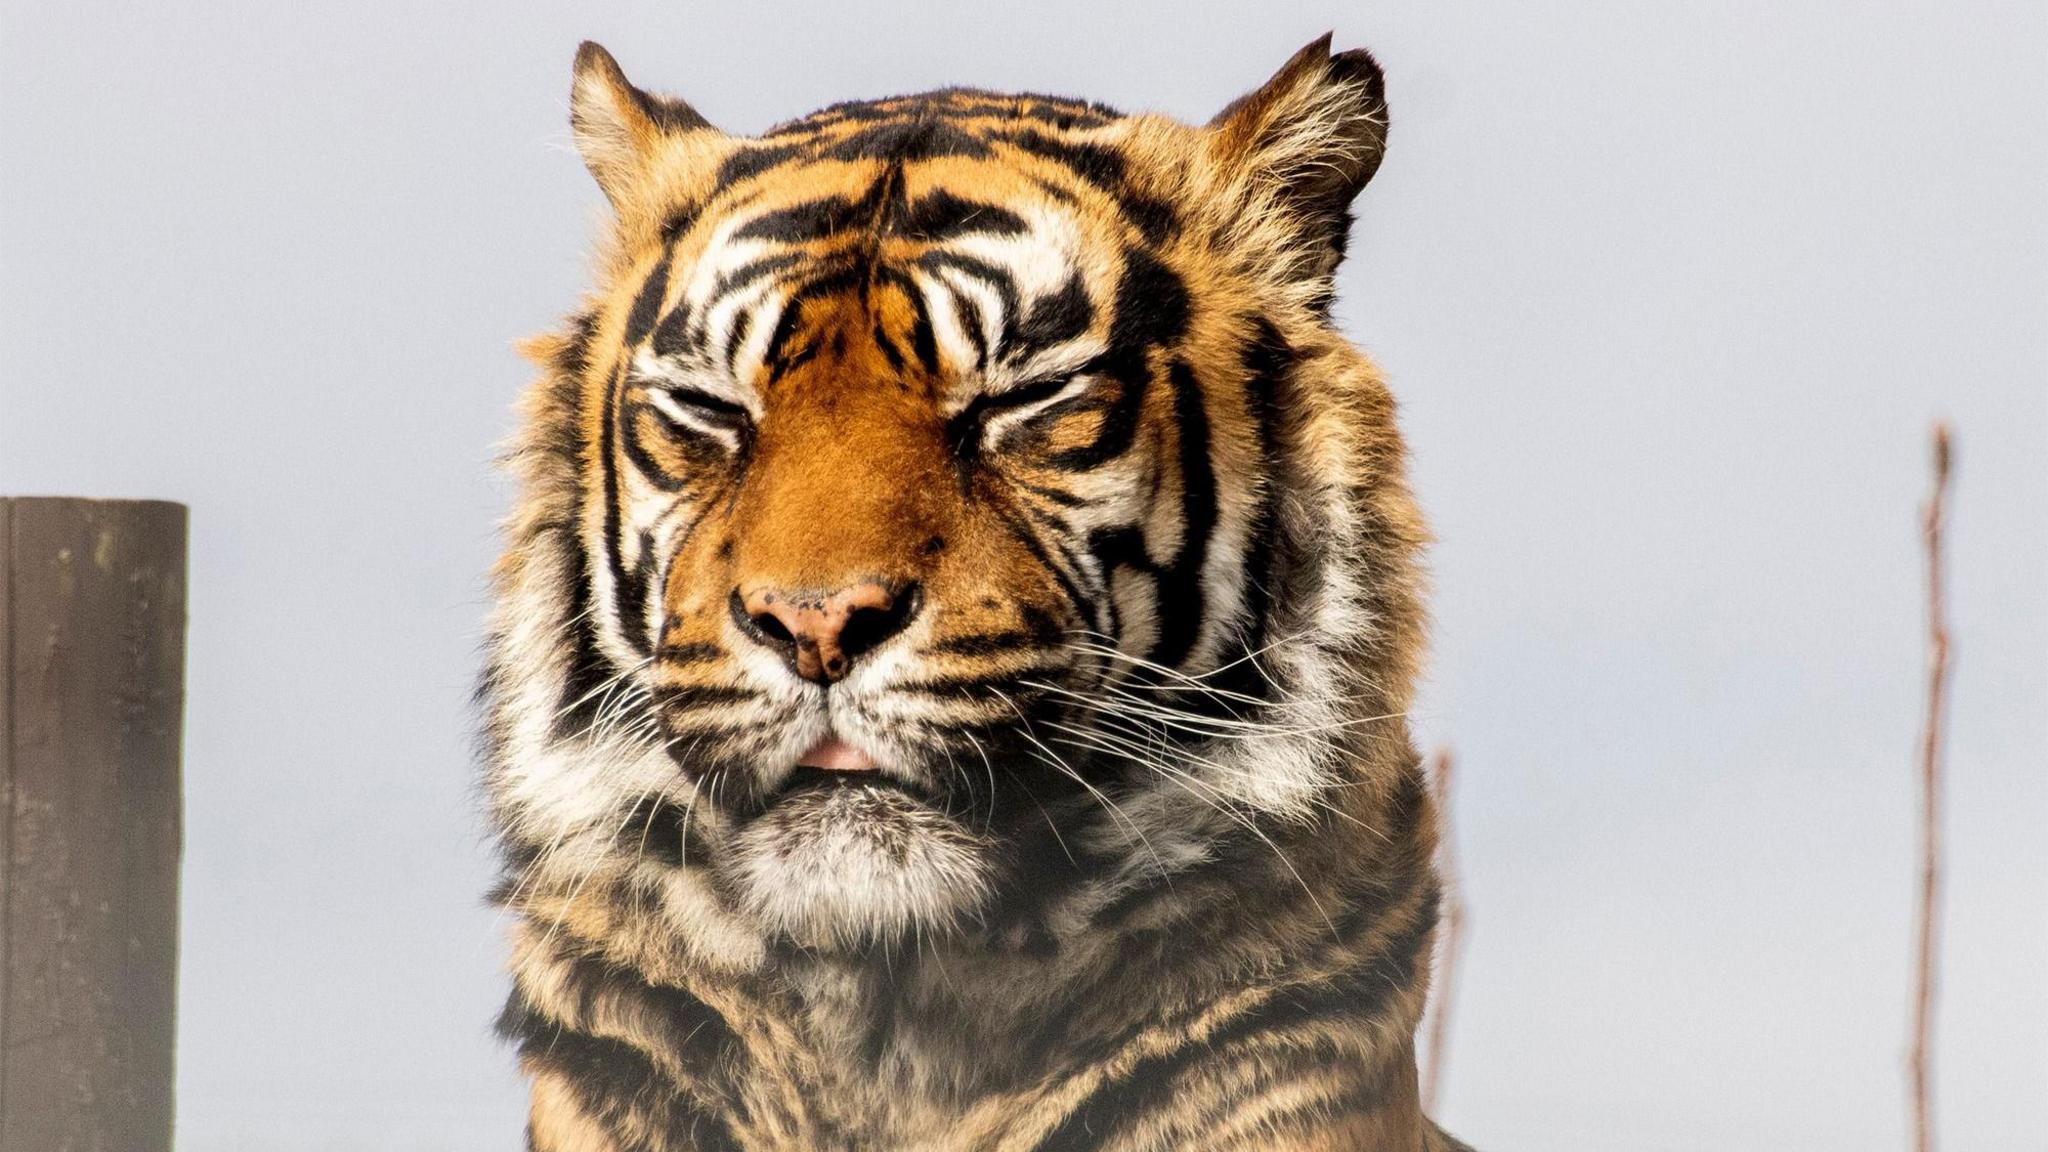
<point x="949" y="505"/>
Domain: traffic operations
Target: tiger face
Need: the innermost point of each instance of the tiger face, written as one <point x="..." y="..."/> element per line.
<point x="922" y="509"/>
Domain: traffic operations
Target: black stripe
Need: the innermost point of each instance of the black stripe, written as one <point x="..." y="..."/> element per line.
<point x="920" y="137"/>
<point x="1021" y="531"/>
<point x="736" y="337"/>
<point x="654" y="828"/>
<point x="914" y="300"/>
<point x="615" y="1083"/>
<point x="746" y="274"/>
<point x="785" y="330"/>
<point x="923" y="344"/>
<point x="970" y="322"/>
<point x="1357" y="996"/>
<point x="1154" y="217"/>
<point x="856" y="110"/>
<point x="1151" y="303"/>
<point x="983" y="644"/>
<point x="622" y="1091"/>
<point x="956" y="103"/>
<point x="1055" y="110"/>
<point x="1039" y="630"/>
<point x="1059" y="539"/>
<point x="695" y="1033"/>
<point x="1119" y="547"/>
<point x="676" y="336"/>
<point x="1053" y="320"/>
<point x="647" y="302"/>
<point x="1268" y="361"/>
<point x="1180" y="593"/>
<point x="1057" y="192"/>
<point x="805" y="222"/>
<point x="834" y="279"/>
<point x="996" y="278"/>
<point x="680" y="222"/>
<point x="685" y="655"/>
<point x="684" y="330"/>
<point x="1059" y="496"/>
<point x="1062" y="543"/>
<point x="881" y="203"/>
<point x="700" y="696"/>
<point x="887" y="345"/>
<point x="587" y="668"/>
<point x="953" y="688"/>
<point x="940" y="215"/>
<point x="1101" y="1116"/>
<point x="827" y="216"/>
<point x="1105" y="168"/>
<point x="1065" y="114"/>
<point x="750" y="162"/>
<point x="633" y="598"/>
<point x="608" y="439"/>
<point x="669" y="115"/>
<point x="1358" y="1095"/>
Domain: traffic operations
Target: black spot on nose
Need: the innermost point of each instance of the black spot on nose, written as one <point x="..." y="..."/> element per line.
<point x="821" y="634"/>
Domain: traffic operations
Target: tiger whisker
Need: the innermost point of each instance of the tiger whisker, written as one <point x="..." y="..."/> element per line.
<point x="583" y="881"/>
<point x="1189" y="783"/>
<point x="1195" y="681"/>
<point x="1179" y="681"/>
<point x="1059" y="762"/>
<point x="601" y="689"/>
<point x="1130" y="750"/>
<point x="1202" y="724"/>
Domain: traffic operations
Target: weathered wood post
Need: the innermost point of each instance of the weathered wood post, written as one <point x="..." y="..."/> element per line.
<point x="92" y="688"/>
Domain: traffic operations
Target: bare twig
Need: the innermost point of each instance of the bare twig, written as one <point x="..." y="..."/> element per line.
<point x="1920" y="1057"/>
<point x="1452" y="924"/>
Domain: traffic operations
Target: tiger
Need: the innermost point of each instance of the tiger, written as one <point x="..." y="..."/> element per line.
<point x="947" y="678"/>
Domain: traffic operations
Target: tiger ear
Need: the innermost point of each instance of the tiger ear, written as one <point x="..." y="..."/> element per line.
<point x="619" y="129"/>
<point x="1304" y="145"/>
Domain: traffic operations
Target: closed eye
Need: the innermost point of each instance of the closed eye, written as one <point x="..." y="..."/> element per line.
<point x="694" y="408"/>
<point x="967" y="427"/>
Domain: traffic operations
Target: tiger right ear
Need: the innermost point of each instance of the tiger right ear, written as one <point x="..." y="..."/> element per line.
<point x="619" y="129"/>
<point x="1301" y="148"/>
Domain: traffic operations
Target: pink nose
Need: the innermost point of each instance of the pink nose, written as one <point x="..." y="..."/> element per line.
<point x="821" y="634"/>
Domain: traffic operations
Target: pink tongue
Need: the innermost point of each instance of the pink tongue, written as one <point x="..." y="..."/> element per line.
<point x="836" y="755"/>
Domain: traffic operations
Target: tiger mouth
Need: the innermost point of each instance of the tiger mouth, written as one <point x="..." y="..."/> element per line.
<point x="810" y="778"/>
<point x="833" y="754"/>
<point x="833" y="763"/>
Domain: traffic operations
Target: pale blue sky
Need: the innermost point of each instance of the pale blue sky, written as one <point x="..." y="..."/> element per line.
<point x="1669" y="292"/>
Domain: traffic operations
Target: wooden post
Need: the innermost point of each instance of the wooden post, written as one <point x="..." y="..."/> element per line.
<point x="92" y="661"/>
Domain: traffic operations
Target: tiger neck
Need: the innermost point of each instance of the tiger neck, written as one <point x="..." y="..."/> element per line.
<point x="976" y="1016"/>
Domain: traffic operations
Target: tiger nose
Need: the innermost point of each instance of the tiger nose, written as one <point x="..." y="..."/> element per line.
<point x="821" y="634"/>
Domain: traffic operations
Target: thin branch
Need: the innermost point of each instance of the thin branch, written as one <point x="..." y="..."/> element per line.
<point x="1451" y="925"/>
<point x="1921" y="1057"/>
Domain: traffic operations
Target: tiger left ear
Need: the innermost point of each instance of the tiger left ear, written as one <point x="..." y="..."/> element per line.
<point x="619" y="129"/>
<point x="1305" y="144"/>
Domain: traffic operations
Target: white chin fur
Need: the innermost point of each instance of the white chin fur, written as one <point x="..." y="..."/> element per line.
<point x="854" y="865"/>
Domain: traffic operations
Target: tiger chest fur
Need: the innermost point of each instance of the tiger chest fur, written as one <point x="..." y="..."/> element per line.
<point x="947" y="677"/>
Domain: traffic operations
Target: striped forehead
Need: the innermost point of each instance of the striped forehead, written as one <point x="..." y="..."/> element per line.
<point x="1006" y="270"/>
